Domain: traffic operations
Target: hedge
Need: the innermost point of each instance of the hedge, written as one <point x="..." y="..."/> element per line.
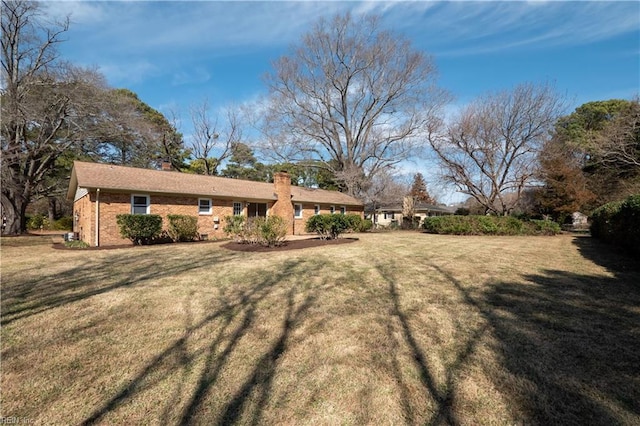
<point x="488" y="225"/>
<point x="328" y="226"/>
<point x="182" y="227"/>
<point x="269" y="231"/>
<point x="140" y="228"/>
<point x="618" y="223"/>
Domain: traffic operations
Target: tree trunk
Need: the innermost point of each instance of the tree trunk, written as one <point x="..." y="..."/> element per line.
<point x="52" y="209"/>
<point x="14" y="217"/>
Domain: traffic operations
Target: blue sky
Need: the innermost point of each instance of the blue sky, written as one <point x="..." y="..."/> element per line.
<point x="175" y="54"/>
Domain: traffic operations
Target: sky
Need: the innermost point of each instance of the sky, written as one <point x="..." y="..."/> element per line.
<point x="175" y="54"/>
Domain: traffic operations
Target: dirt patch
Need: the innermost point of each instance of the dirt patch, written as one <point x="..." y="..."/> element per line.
<point x="288" y="245"/>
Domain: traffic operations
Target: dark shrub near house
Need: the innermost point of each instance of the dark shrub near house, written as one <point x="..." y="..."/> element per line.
<point x="182" y="227"/>
<point x="618" y="223"/>
<point x="140" y="228"/>
<point x="328" y="226"/>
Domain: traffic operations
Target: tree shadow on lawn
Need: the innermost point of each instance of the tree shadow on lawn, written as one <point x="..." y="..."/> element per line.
<point x="575" y="339"/>
<point x="615" y="259"/>
<point x="568" y="347"/>
<point x="24" y="297"/>
<point x="228" y="325"/>
<point x="569" y="344"/>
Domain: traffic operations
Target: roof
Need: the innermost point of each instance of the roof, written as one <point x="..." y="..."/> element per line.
<point x="418" y="207"/>
<point x="131" y="179"/>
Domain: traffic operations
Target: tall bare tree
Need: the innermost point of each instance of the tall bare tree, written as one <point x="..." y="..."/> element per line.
<point x="489" y="151"/>
<point x="213" y="142"/>
<point x="353" y="96"/>
<point x="43" y="101"/>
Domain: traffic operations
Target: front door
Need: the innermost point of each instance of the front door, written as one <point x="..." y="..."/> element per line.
<point x="257" y="209"/>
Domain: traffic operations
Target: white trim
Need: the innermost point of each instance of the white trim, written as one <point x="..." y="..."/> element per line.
<point x="332" y="209"/>
<point x="316" y="209"/>
<point x="241" y="208"/>
<point x="207" y="212"/>
<point x="343" y="209"/>
<point x="299" y="215"/>
<point x="148" y="197"/>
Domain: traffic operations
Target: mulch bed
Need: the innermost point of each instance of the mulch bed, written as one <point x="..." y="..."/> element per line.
<point x="288" y="245"/>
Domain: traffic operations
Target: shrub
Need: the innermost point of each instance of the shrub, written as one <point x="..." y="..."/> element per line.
<point x="354" y="221"/>
<point x="234" y="226"/>
<point x="140" y="228"/>
<point x="366" y="226"/>
<point x="65" y="223"/>
<point x="273" y="230"/>
<point x="182" y="227"/>
<point x="544" y="227"/>
<point x="618" y="223"/>
<point x="270" y="231"/>
<point x="76" y="244"/>
<point x="37" y="221"/>
<point x="488" y="225"/>
<point x="328" y="226"/>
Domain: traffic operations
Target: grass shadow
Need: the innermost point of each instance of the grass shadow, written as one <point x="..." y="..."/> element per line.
<point x="225" y="329"/>
<point x="569" y="345"/>
<point x="24" y="297"/>
<point x="615" y="259"/>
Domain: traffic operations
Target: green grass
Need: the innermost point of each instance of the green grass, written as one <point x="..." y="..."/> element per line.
<point x="396" y="328"/>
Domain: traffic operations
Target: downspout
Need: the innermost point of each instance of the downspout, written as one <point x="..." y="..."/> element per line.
<point x="98" y="217"/>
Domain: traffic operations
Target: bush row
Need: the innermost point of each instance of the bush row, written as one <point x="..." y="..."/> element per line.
<point x="38" y="221"/>
<point x="330" y="226"/>
<point x="269" y="231"/>
<point x="488" y="225"/>
<point x="147" y="228"/>
<point x="618" y="223"/>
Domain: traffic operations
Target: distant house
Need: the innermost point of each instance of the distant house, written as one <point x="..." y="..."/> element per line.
<point x="393" y="214"/>
<point x="100" y="192"/>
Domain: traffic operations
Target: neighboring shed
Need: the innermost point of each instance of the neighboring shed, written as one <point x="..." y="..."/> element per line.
<point x="100" y="192"/>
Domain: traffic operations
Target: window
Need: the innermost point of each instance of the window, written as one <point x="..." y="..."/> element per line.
<point x="297" y="210"/>
<point x="140" y="204"/>
<point x="204" y="206"/>
<point x="237" y="209"/>
<point x="332" y="209"/>
<point x="316" y="209"/>
<point x="343" y="210"/>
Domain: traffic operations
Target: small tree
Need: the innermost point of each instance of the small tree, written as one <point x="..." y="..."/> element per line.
<point x="419" y="190"/>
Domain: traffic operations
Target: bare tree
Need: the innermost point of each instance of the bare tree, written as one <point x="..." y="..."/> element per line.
<point x="43" y="103"/>
<point x="352" y="96"/>
<point x="490" y="149"/>
<point x="212" y="143"/>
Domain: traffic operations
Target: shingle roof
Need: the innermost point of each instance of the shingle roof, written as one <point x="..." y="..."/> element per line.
<point x="418" y="207"/>
<point x="130" y="179"/>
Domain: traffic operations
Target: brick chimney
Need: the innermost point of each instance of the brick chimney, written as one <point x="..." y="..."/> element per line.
<point x="166" y="166"/>
<point x="283" y="207"/>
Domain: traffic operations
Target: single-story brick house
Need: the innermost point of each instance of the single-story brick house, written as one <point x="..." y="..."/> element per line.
<point x="100" y="192"/>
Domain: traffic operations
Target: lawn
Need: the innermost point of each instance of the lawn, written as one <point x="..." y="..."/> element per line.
<point x="396" y="328"/>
